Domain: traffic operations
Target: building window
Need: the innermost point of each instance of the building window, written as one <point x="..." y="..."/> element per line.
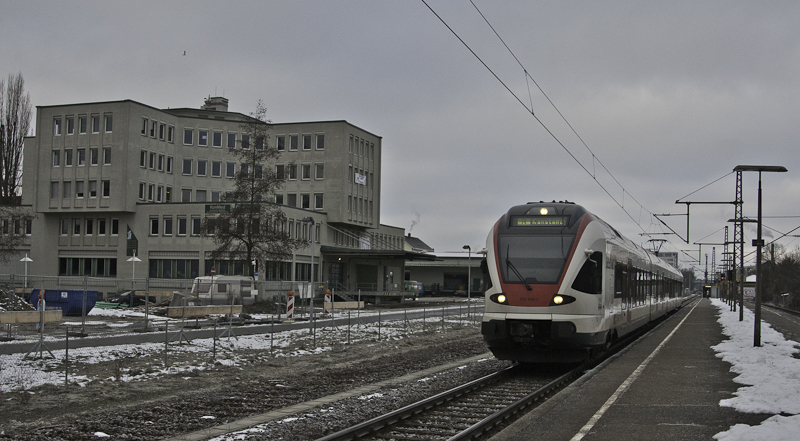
<point x="143" y="159"/>
<point x="160" y="193"/>
<point x="106" y="155"/>
<point x="245" y="169"/>
<point x="216" y="169"/>
<point x="95" y="123"/>
<point x="231" y="140"/>
<point x="57" y="127"/>
<point x="291" y="200"/>
<point x="92" y="189"/>
<point x="319" y="171"/>
<point x="202" y="164"/>
<point x="230" y="169"/>
<point x="153" y="126"/>
<point x="181" y="225"/>
<point x="188" y="134"/>
<point x="54" y="190"/>
<point x="89" y="227"/>
<point x="214" y="195"/>
<point x="279" y="199"/>
<point x="318" y="201"/>
<point x="293" y="140"/>
<point x="142" y="187"/>
<point x="202" y="138"/>
<point x="108" y="123"/>
<point x="67" y="190"/>
<point x="154" y="226"/>
<point x="70" y="125"/>
<point x="280" y="171"/>
<point x="76" y="227"/>
<point x="320" y="141"/>
<point x="82" y="124"/>
<point x="170" y="134"/>
<point x="305" y="171"/>
<point x="195" y="226"/>
<point x="94" y="156"/>
<point x="169" y="164"/>
<point x="306" y="142"/>
<point x="258" y="171"/>
<point x="162" y="128"/>
<point x="81" y="157"/>
<point x="168" y="194"/>
<point x="161" y="162"/>
<point x="245" y="142"/>
<point x="186" y="195"/>
<point x="151" y="190"/>
<point x="106" y="188"/>
<point x="79" y="189"/>
<point x="292" y="169"/>
<point x="56" y="158"/>
<point x="305" y="201"/>
<point x="152" y="161"/>
<point x="68" y="158"/>
<point x="280" y="141"/>
<point x="167" y="226"/>
<point x="187" y="166"/>
<point x="216" y="139"/>
<point x="101" y="226"/>
<point x="64" y="227"/>
<point x="114" y="227"/>
<point x="200" y="196"/>
<point x="144" y="126"/>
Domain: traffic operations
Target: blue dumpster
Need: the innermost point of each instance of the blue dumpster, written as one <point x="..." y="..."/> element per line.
<point x="69" y="301"/>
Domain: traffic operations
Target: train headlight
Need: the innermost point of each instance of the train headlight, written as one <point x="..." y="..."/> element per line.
<point x="499" y="298"/>
<point x="559" y="300"/>
<point x="543" y="211"/>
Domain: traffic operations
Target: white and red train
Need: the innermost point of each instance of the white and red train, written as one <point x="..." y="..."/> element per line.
<point x="564" y="283"/>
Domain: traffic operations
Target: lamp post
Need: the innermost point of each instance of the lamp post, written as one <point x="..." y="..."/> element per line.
<point x="26" y="259"/>
<point x="469" y="276"/>
<point x="758" y="243"/>
<point x="133" y="260"/>
<point x="311" y="277"/>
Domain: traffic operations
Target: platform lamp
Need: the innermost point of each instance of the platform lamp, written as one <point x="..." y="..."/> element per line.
<point x="758" y="243"/>
<point x="469" y="276"/>
<point x="26" y="259"/>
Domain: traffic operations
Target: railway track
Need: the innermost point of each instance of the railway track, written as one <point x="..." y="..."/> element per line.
<point x="464" y="412"/>
<point x="474" y="409"/>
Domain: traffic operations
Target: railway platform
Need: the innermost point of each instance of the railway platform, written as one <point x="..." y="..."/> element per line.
<point x="667" y="386"/>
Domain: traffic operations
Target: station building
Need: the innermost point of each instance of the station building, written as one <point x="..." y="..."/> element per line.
<point x="110" y="179"/>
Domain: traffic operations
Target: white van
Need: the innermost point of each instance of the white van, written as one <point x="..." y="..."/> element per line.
<point x="222" y="290"/>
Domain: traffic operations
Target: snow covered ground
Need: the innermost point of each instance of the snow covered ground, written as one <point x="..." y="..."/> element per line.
<point x="20" y="373"/>
<point x="770" y="376"/>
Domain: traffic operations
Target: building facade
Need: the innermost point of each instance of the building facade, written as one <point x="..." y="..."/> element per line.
<point x="110" y="179"/>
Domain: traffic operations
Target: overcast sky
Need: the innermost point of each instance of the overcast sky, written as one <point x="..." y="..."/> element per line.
<point x="669" y="96"/>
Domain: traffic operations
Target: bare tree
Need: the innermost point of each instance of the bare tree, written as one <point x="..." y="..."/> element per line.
<point x="15" y="121"/>
<point x="252" y="226"/>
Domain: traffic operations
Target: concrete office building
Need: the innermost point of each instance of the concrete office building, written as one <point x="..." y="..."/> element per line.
<point x="106" y="179"/>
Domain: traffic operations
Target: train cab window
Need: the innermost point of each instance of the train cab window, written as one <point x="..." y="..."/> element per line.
<point x="590" y="277"/>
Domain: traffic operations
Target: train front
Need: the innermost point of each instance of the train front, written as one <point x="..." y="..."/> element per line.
<point x="545" y="263"/>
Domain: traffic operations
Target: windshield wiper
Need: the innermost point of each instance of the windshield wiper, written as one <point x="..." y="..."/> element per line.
<point x="513" y="268"/>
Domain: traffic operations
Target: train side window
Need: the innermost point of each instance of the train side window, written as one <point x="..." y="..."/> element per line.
<point x="619" y="280"/>
<point x="590" y="277"/>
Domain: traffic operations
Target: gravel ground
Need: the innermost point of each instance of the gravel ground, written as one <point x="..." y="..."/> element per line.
<point x="178" y="404"/>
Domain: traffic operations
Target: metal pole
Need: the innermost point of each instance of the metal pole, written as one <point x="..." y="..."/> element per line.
<point x="759" y="281"/>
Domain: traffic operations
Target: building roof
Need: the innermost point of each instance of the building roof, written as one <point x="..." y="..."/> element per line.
<point x="417" y="244"/>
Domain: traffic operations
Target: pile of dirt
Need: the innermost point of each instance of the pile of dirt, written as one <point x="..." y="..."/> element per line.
<point x="12" y="302"/>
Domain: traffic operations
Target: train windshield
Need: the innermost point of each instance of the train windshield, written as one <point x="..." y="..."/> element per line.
<point x="533" y="259"/>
